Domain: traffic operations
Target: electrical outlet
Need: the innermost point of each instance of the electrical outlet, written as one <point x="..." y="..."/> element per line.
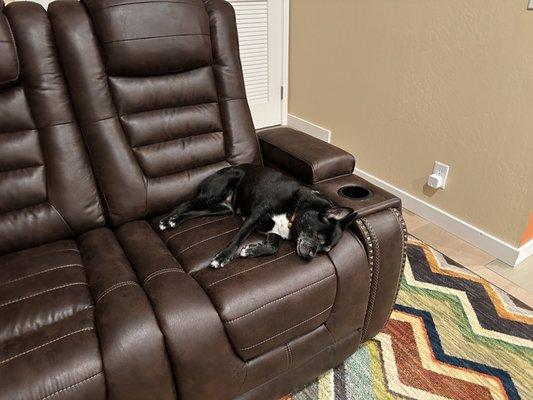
<point x="441" y="170"/>
<point x="530" y="5"/>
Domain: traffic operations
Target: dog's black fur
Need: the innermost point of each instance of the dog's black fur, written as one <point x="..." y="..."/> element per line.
<point x="262" y="195"/>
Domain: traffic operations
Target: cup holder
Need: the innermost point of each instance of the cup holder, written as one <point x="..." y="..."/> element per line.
<point x="355" y="192"/>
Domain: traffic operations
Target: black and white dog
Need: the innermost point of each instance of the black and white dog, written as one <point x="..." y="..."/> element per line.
<point x="274" y="204"/>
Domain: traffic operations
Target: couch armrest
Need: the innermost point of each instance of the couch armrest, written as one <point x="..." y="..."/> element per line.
<point x="309" y="159"/>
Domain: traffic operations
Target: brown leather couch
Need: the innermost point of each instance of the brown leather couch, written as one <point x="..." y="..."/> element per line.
<point x="111" y="112"/>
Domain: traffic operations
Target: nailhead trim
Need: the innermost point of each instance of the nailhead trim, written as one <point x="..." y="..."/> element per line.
<point x="373" y="255"/>
<point x="403" y="227"/>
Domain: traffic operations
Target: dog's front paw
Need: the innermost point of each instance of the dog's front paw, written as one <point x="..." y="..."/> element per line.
<point x="172" y="222"/>
<point x="221" y="259"/>
<point x="163" y="223"/>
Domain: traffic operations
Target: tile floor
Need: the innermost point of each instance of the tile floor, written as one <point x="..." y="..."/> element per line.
<point x="517" y="281"/>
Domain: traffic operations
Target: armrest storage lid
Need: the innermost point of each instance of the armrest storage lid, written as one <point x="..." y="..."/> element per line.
<point x="306" y="157"/>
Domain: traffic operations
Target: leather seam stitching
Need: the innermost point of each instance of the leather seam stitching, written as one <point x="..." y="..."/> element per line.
<point x="40" y="204"/>
<point x="177" y="107"/>
<point x="206" y="240"/>
<point x="286" y="330"/>
<point x="228" y="100"/>
<point x="155" y="37"/>
<point x="166" y="174"/>
<point x="197" y="135"/>
<point x="61" y="216"/>
<point x="50" y="251"/>
<point x="86" y="123"/>
<point x="7" y="171"/>
<point x="249" y="269"/>
<point x="46" y="344"/>
<point x="72" y="386"/>
<point x="41" y="272"/>
<point x="19" y="132"/>
<point x="37" y="128"/>
<point x="43" y="292"/>
<point x="114" y="287"/>
<point x="194" y="227"/>
<point x="14" y="46"/>
<point x="144" y="2"/>
<point x="58" y="124"/>
<point x="279" y="299"/>
<point x="161" y="272"/>
<point x="303" y="362"/>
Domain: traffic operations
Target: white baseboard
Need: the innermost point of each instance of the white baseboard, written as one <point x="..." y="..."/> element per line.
<point x="469" y="233"/>
<point x="309" y="128"/>
<point x="524" y="252"/>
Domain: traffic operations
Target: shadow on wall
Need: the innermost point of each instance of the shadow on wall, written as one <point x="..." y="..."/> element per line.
<point x="422" y="183"/>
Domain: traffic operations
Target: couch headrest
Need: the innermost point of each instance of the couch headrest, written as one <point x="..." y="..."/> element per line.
<point x="9" y="64"/>
<point x="143" y="38"/>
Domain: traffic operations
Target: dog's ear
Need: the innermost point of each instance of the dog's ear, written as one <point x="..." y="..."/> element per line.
<point x="345" y="215"/>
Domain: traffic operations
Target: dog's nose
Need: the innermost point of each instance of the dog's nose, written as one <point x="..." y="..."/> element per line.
<point x="308" y="255"/>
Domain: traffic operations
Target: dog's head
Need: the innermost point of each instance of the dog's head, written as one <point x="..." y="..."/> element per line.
<point x="318" y="232"/>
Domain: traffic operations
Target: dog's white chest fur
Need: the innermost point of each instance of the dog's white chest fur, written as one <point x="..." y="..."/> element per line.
<point x="281" y="226"/>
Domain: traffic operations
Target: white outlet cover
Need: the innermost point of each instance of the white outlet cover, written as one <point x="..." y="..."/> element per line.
<point x="530" y="5"/>
<point x="442" y="170"/>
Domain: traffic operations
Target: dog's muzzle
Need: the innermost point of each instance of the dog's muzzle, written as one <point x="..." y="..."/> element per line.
<point x="306" y="249"/>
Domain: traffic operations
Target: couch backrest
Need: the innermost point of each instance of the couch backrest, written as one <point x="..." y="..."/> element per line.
<point x="159" y="93"/>
<point x="47" y="190"/>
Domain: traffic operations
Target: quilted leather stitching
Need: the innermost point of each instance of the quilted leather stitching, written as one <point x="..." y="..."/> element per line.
<point x="249" y="269"/>
<point x="43" y="292"/>
<point x="41" y="272"/>
<point x="46" y="344"/>
<point x="279" y="299"/>
<point x="71" y="386"/>
<point x="161" y="272"/>
<point x="114" y="287"/>
<point x="286" y="330"/>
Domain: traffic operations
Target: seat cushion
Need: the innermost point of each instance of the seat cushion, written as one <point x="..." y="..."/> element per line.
<point x="196" y="317"/>
<point x="263" y="302"/>
<point x="48" y="342"/>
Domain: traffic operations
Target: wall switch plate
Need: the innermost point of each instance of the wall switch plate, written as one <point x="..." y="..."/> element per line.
<point x="441" y="170"/>
<point x="530" y="5"/>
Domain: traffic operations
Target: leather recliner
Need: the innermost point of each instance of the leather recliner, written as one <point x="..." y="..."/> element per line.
<point x="111" y="113"/>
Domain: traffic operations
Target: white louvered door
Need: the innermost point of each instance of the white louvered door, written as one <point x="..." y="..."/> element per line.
<point x="260" y="26"/>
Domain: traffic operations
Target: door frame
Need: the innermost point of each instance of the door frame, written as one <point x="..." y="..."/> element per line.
<point x="285" y="61"/>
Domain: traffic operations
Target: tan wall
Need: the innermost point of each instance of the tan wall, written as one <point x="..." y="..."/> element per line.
<point x="402" y="83"/>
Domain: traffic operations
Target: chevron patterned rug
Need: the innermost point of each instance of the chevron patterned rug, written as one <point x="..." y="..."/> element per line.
<point x="452" y="335"/>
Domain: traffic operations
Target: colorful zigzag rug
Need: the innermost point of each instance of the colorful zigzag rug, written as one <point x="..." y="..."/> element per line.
<point x="452" y="335"/>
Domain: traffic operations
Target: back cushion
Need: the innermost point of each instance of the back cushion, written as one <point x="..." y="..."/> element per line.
<point x="9" y="66"/>
<point x="158" y="89"/>
<point x="47" y="191"/>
